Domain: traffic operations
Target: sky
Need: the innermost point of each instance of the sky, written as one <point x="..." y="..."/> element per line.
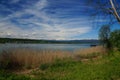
<point x="48" y="19"/>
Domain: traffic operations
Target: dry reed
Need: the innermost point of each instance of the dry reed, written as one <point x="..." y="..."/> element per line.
<point x="30" y="58"/>
<point x="90" y="52"/>
<point x="27" y="58"/>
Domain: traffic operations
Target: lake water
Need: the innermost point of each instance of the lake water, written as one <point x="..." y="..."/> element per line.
<point x="67" y="47"/>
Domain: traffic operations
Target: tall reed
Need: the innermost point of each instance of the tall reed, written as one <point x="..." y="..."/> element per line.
<point x="92" y="52"/>
<point x="27" y="58"/>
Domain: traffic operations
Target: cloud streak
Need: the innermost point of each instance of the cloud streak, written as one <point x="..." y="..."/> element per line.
<point x="37" y="22"/>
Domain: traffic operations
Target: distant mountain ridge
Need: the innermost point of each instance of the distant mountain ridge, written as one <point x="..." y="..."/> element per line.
<point x="16" y="40"/>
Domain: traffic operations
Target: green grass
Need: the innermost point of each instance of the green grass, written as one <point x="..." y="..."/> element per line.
<point x="106" y="68"/>
<point x="10" y="76"/>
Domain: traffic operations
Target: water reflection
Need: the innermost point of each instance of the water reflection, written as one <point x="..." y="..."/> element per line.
<point x="67" y="47"/>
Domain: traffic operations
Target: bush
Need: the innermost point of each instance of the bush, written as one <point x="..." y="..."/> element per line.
<point x="115" y="39"/>
<point x="104" y="34"/>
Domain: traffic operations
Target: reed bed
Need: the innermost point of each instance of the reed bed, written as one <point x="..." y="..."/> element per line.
<point x="27" y="58"/>
<point x="92" y="52"/>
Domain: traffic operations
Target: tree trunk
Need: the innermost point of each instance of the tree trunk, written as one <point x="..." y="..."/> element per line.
<point x="115" y="11"/>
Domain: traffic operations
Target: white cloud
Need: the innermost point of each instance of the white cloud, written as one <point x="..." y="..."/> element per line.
<point x="42" y="25"/>
<point x="41" y="4"/>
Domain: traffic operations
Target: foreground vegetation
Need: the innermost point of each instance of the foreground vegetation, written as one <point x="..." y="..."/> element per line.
<point x="95" y="66"/>
<point x="25" y="58"/>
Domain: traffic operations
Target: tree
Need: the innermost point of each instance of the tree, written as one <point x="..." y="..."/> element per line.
<point x="107" y="8"/>
<point x="115" y="39"/>
<point x="115" y="13"/>
<point x="104" y="35"/>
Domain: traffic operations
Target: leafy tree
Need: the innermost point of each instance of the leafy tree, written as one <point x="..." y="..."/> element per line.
<point x="115" y="39"/>
<point x="104" y="35"/>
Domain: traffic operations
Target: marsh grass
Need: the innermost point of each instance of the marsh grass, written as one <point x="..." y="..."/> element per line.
<point x="106" y="68"/>
<point x="97" y="49"/>
<point x="90" y="53"/>
<point x="66" y="68"/>
<point x="27" y="58"/>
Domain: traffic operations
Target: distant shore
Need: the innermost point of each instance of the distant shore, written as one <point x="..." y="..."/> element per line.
<point x="17" y="40"/>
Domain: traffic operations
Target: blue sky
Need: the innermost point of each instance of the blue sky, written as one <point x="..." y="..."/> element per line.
<point x="47" y="19"/>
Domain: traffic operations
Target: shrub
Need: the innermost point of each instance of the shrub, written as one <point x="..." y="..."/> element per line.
<point x="104" y="34"/>
<point x="115" y="39"/>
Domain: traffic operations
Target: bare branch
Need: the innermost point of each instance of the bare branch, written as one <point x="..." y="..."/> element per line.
<point x="115" y="11"/>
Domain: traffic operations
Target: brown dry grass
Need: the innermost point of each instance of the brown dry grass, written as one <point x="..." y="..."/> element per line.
<point x="97" y="49"/>
<point x="27" y="58"/>
<point x="92" y="52"/>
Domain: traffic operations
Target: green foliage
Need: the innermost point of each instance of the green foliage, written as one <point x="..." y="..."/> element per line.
<point x="106" y="68"/>
<point x="104" y="34"/>
<point x="109" y="39"/>
<point x="44" y="66"/>
<point x="9" y="76"/>
<point x="115" y="39"/>
<point x="56" y="64"/>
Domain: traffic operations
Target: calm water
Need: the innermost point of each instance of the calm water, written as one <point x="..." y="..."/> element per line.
<point x="68" y="47"/>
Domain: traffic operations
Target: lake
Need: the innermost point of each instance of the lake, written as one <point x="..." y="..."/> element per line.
<point x="67" y="47"/>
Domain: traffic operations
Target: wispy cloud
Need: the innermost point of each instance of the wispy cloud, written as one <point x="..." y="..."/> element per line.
<point x="37" y="22"/>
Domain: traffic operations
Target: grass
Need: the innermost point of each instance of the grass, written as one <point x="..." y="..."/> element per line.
<point x="10" y="76"/>
<point x="69" y="68"/>
<point x="106" y="68"/>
